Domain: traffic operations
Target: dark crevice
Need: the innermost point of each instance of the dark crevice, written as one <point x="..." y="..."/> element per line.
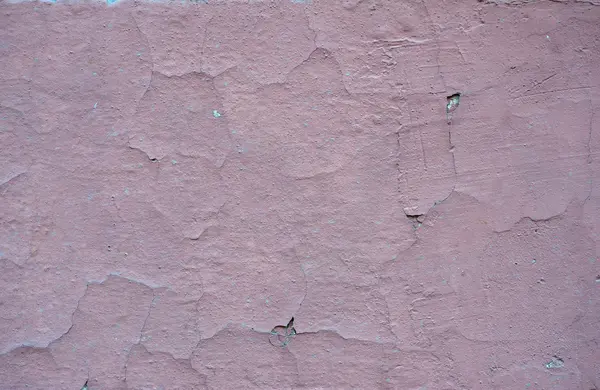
<point x="416" y="218"/>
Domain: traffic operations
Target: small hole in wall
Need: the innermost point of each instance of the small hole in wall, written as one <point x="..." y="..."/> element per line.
<point x="452" y="103"/>
<point x="282" y="335"/>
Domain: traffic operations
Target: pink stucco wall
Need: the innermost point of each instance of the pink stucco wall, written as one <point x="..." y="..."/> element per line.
<point x="281" y="194"/>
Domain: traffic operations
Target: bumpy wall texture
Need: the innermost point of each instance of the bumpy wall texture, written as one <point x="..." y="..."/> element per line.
<point x="300" y="194"/>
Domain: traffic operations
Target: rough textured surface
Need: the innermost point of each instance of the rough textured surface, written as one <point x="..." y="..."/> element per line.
<point x="180" y="180"/>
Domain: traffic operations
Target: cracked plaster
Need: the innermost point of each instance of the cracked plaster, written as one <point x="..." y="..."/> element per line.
<point x="177" y="180"/>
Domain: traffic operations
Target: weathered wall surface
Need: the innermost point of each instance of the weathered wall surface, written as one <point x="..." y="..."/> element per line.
<point x="180" y="180"/>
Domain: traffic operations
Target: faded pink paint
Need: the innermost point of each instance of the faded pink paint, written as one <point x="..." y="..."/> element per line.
<point x="179" y="181"/>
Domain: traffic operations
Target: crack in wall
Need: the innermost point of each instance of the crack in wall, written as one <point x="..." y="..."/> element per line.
<point x="140" y="338"/>
<point x="417" y="217"/>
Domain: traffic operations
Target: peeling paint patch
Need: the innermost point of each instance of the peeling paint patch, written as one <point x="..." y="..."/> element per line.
<point x="281" y="336"/>
<point x="312" y="225"/>
<point x="556" y="362"/>
<point x="453" y="102"/>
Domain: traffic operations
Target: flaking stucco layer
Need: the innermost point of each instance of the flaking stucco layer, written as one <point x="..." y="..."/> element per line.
<point x="300" y="194"/>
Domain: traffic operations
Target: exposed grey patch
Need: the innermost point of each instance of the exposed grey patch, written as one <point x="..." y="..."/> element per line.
<point x="451" y="105"/>
<point x="556" y="362"/>
<point x="282" y="335"/>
